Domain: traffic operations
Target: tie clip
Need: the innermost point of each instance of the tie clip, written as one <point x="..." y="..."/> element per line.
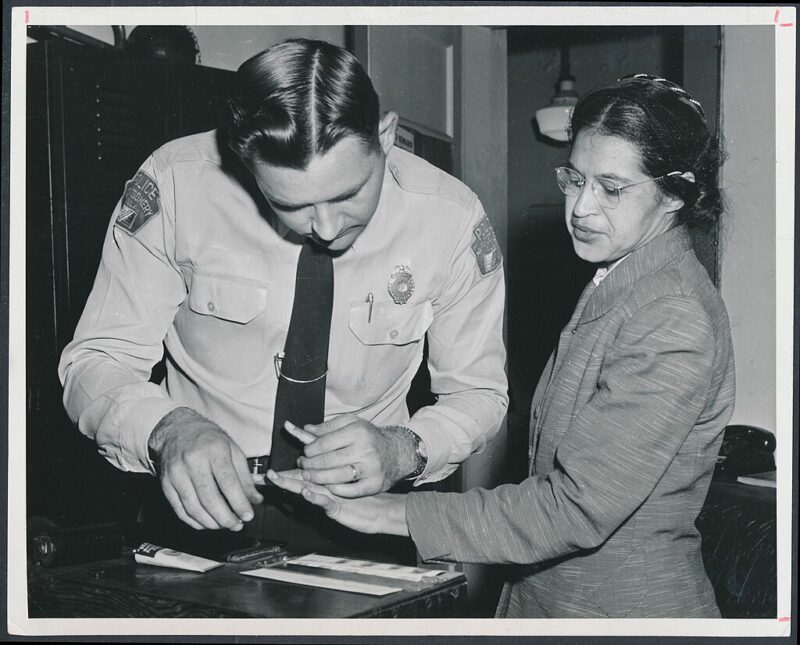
<point x="278" y="360"/>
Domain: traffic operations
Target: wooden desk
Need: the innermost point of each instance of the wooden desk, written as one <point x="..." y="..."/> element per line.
<point x="121" y="588"/>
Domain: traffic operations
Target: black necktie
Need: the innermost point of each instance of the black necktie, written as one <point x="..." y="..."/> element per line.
<point x="304" y="364"/>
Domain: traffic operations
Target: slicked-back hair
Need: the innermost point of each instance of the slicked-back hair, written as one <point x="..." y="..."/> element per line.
<point x="668" y="128"/>
<point x="298" y="99"/>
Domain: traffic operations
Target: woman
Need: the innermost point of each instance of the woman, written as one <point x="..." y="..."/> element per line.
<point x="628" y="416"/>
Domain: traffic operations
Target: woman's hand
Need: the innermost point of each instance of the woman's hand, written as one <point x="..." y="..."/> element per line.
<point x="384" y="513"/>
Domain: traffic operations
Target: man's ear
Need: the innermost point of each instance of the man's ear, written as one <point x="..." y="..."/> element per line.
<point x="387" y="130"/>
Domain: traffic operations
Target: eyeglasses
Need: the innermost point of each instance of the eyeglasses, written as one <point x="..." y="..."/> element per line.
<point x="608" y="193"/>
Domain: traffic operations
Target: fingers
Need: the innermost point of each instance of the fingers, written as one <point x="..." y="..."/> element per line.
<point x="215" y="504"/>
<point x="361" y="488"/>
<point x="211" y="493"/>
<point x="296" y="473"/>
<point x="312" y="493"/>
<point x="246" y="481"/>
<point x="326" y="502"/>
<point x="338" y="422"/>
<point x="304" y="436"/>
<point x="188" y="502"/>
<point x="337" y="475"/>
<point x="177" y="505"/>
<point x="232" y="486"/>
<point x="281" y="480"/>
<point x="332" y="459"/>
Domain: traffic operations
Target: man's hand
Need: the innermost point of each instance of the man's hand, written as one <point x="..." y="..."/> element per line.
<point x="353" y="457"/>
<point x="383" y="513"/>
<point x="203" y="473"/>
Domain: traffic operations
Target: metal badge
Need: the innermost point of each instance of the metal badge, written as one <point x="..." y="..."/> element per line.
<point x="401" y="284"/>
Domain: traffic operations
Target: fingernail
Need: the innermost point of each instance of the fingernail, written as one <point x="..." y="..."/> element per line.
<point x="289" y="425"/>
<point x="238" y="527"/>
<point x="247" y="516"/>
<point x="271" y="475"/>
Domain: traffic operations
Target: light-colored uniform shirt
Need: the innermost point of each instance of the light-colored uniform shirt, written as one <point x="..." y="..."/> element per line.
<point x="192" y="264"/>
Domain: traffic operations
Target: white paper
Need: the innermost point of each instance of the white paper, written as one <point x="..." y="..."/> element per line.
<point x="310" y="580"/>
<point x="366" y="567"/>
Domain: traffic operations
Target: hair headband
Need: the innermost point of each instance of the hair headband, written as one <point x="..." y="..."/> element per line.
<point x="669" y="85"/>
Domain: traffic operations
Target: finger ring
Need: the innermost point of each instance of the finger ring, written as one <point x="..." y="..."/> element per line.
<point x="356" y="474"/>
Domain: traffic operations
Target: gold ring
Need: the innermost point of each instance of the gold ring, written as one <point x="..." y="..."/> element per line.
<point x="356" y="475"/>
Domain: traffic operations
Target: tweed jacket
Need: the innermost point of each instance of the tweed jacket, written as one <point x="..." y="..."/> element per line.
<point x="626" y="424"/>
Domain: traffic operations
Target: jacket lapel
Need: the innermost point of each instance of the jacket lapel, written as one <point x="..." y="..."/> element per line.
<point x="643" y="261"/>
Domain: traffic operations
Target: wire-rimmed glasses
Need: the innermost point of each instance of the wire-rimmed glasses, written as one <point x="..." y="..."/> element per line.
<point x="608" y="193"/>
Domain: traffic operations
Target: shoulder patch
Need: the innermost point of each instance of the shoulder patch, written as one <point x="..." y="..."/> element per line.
<point x="140" y="203"/>
<point x="485" y="247"/>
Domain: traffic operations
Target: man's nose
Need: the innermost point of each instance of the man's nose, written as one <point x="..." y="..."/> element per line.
<point x="325" y="224"/>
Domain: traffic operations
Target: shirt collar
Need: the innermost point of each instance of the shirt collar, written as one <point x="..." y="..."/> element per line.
<point x="602" y="272"/>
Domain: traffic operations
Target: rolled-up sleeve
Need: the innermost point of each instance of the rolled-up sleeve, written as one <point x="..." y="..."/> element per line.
<point x="466" y="354"/>
<point x="105" y="370"/>
<point x="650" y="393"/>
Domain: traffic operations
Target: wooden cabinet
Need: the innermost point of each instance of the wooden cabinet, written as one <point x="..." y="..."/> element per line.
<point x="92" y="118"/>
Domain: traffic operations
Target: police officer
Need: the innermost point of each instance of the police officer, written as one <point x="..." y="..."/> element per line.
<point x="199" y="265"/>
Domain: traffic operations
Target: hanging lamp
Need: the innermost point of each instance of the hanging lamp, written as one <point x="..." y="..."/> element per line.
<point x="554" y="119"/>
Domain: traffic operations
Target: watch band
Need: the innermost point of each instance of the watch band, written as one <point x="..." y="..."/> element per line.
<point x="422" y="460"/>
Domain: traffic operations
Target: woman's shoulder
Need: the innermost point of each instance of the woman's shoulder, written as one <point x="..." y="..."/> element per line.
<point x="682" y="284"/>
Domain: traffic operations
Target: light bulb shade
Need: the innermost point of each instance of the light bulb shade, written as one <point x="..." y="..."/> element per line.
<point x="553" y="121"/>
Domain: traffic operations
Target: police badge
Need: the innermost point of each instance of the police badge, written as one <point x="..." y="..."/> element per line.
<point x="401" y="284"/>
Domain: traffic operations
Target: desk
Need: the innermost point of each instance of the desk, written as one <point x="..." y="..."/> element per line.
<point x="121" y="588"/>
<point x="739" y="548"/>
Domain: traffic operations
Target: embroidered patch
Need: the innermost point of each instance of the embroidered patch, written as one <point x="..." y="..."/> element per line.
<point x="485" y="247"/>
<point x="140" y="202"/>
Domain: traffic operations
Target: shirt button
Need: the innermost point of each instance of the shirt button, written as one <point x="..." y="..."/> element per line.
<point x="211" y="306"/>
<point x="393" y="334"/>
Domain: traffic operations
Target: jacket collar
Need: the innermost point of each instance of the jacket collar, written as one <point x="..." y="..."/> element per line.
<point x="643" y="261"/>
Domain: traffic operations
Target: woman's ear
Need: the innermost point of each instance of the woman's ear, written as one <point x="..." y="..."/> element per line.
<point x="387" y="130"/>
<point x="671" y="203"/>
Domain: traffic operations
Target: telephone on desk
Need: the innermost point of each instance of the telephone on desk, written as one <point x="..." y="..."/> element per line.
<point x="746" y="450"/>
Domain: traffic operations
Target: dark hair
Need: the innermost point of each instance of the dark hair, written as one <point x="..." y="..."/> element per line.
<point x="669" y="129"/>
<point x="297" y="99"/>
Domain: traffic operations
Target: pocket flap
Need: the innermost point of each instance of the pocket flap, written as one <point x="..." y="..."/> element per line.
<point x="390" y="324"/>
<point x="226" y="298"/>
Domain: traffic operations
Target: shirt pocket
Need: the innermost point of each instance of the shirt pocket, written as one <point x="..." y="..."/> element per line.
<point x="226" y="298"/>
<point x="387" y="348"/>
<point x="390" y="324"/>
<point x="222" y="330"/>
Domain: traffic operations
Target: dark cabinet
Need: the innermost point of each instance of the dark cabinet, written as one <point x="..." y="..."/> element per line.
<point x="93" y="116"/>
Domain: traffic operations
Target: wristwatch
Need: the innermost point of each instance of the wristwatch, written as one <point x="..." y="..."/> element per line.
<point x="422" y="458"/>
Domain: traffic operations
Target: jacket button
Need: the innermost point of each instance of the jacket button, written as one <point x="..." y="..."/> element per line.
<point x="211" y="306"/>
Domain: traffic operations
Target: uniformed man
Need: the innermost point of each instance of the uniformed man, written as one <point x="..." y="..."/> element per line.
<point x="199" y="265"/>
